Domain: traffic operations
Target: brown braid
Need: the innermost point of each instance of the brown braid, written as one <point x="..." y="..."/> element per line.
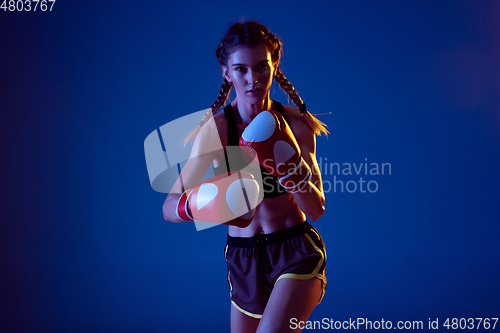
<point x="317" y="125"/>
<point x="223" y="96"/>
<point x="221" y="100"/>
<point x="287" y="86"/>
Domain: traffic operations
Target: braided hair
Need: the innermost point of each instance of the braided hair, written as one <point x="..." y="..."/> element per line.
<point x="252" y="34"/>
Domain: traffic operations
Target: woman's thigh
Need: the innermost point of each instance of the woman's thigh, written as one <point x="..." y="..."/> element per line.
<point x="241" y="322"/>
<point x="291" y="298"/>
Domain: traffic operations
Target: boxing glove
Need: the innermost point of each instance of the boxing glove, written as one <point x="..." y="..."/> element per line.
<point x="229" y="198"/>
<point x="270" y="138"/>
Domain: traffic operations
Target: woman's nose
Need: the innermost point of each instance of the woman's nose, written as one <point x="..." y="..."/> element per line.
<point x="252" y="78"/>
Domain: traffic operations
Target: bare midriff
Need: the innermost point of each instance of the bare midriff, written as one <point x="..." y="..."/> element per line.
<point x="272" y="214"/>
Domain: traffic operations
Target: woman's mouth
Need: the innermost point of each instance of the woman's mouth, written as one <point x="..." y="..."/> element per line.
<point x="253" y="92"/>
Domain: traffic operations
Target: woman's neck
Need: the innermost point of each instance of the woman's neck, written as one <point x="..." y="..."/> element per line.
<point x="247" y="111"/>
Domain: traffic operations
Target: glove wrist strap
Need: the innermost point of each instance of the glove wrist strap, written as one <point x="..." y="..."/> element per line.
<point x="182" y="209"/>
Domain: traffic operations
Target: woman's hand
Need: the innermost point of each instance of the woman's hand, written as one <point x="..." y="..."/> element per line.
<point x="206" y="146"/>
<point x="224" y="199"/>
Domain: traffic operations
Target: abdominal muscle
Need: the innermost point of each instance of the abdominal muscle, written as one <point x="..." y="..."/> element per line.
<point x="272" y="215"/>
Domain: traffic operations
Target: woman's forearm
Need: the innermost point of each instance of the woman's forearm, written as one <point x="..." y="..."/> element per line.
<point x="311" y="201"/>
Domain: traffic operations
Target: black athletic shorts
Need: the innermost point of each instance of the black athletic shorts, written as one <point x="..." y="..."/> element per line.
<point x="256" y="263"/>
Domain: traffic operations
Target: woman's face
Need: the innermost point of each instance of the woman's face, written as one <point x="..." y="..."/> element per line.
<point x="251" y="72"/>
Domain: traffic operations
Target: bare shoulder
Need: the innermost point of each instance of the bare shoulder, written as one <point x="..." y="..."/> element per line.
<point x="215" y="127"/>
<point x="220" y="123"/>
<point x="298" y="123"/>
<point x="208" y="139"/>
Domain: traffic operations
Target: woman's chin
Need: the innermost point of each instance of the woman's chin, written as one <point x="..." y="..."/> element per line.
<point x="256" y="98"/>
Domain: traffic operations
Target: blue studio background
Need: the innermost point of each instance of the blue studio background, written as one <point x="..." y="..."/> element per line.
<point x="84" y="246"/>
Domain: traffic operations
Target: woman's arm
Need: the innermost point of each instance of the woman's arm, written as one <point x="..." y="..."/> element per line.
<point x="311" y="198"/>
<point x="205" y="148"/>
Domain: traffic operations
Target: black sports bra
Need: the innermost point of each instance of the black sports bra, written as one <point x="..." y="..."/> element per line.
<point x="271" y="186"/>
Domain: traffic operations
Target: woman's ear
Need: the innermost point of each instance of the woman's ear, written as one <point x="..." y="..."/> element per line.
<point x="225" y="73"/>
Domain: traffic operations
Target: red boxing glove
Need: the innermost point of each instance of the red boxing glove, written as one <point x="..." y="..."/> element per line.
<point x="226" y="199"/>
<point x="270" y="137"/>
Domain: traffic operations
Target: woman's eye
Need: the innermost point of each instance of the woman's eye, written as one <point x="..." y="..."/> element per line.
<point x="240" y="69"/>
<point x="263" y="66"/>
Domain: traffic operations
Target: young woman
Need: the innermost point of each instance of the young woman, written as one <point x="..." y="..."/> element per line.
<point x="276" y="260"/>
